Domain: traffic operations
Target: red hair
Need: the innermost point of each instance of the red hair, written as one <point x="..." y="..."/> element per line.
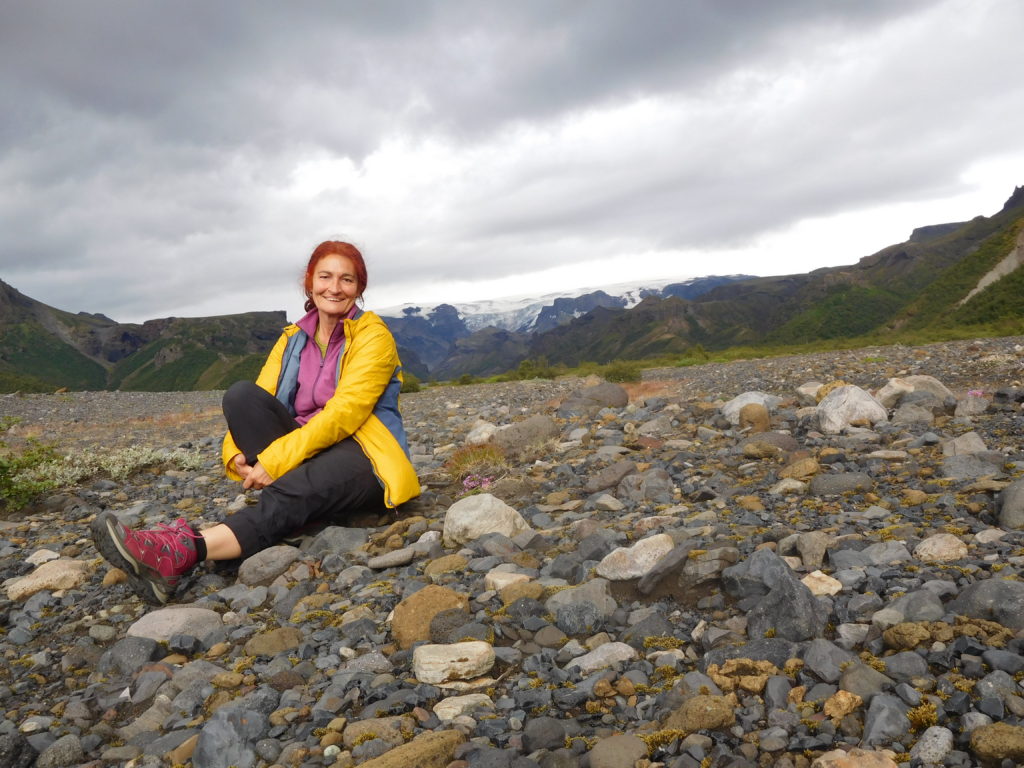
<point x="334" y="248"/>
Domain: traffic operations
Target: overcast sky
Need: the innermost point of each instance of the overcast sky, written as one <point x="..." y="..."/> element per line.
<point x="183" y="158"/>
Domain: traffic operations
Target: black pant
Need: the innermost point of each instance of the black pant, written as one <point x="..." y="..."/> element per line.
<point x="336" y="481"/>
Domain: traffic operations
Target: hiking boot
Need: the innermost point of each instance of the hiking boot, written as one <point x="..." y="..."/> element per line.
<point x="154" y="560"/>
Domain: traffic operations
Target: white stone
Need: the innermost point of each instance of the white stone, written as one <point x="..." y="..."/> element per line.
<point x="845" y="405"/>
<point x="633" y="562"/>
<point x="164" y="623"/>
<point x="608" y="503"/>
<point x="892" y="391"/>
<point x="989" y="535"/>
<point x="886" y="455"/>
<point x="924" y="383"/>
<point x="498" y="580"/>
<point x="481" y="432"/>
<point x="822" y="584"/>
<point x="603" y="656"/>
<point x="940" y="548"/>
<point x="933" y="746"/>
<point x="41" y="556"/>
<point x="788" y="486"/>
<point x="54" y="575"/>
<point x="470" y="518"/>
<point x="453" y="706"/>
<point x="850" y="636"/>
<point x="595" y="591"/>
<point x="807" y="393"/>
<point x="435" y="664"/>
<point x="731" y="410"/>
<point x="972" y="405"/>
<point x="964" y="445"/>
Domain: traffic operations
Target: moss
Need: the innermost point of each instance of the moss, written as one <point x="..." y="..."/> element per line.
<point x="923" y="716"/>
<point x="663" y="642"/>
<point x="659" y="739"/>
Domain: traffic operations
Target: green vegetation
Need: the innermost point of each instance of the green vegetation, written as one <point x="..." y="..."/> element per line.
<point x="16" y="487"/>
<point x="410" y="382"/>
<point x="937" y="303"/>
<point x="53" y="364"/>
<point x="36" y="467"/>
<point x="847" y="310"/>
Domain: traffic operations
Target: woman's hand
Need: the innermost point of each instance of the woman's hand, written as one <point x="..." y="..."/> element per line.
<point x="240" y="465"/>
<point x="257" y="477"/>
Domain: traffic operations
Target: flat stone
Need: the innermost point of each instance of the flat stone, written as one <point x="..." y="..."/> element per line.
<point x="52" y="576"/>
<point x="436" y="664"/>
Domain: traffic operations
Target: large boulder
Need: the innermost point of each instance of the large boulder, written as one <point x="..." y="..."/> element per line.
<point x="849" y="406"/>
<point x="470" y="518"/>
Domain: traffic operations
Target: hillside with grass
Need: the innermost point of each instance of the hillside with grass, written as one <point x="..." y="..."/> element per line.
<point x="916" y="290"/>
<point x="43" y="349"/>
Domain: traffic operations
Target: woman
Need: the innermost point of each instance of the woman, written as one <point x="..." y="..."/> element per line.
<point x="319" y="432"/>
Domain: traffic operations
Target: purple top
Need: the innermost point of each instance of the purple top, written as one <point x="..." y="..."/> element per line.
<point x="317" y="374"/>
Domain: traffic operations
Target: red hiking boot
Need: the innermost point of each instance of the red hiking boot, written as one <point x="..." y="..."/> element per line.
<point x="154" y="560"/>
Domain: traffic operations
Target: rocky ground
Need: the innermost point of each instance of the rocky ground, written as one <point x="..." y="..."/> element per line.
<point x="746" y="564"/>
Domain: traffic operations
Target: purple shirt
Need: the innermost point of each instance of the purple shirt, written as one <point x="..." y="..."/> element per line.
<point x="317" y="374"/>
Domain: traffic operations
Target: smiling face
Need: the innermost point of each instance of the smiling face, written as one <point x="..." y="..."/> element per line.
<point x="335" y="287"/>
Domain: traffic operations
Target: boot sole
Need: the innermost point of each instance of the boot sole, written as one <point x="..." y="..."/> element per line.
<point x="105" y="538"/>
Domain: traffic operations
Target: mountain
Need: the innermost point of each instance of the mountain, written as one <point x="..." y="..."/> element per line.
<point x="446" y="340"/>
<point x="944" y="279"/>
<point x="42" y="349"/>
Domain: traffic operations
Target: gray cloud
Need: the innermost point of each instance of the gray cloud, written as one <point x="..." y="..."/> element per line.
<point x="181" y="158"/>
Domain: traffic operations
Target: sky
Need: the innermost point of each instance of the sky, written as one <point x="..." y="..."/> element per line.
<point x="183" y="159"/>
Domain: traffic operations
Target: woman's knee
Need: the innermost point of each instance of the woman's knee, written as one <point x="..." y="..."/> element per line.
<point x="237" y="394"/>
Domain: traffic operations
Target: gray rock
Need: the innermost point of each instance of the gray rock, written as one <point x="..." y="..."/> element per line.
<point x="609" y="476"/>
<point x="337" y="539"/>
<point x="865" y="681"/>
<point x="906" y="667"/>
<point x="1011" y="506"/>
<point x="971" y="466"/>
<point x="789" y="611"/>
<point x="912" y="413"/>
<point x="265" y="566"/>
<point x="520" y="435"/>
<point x="996" y="599"/>
<point x="544" y="733"/>
<point x="16" y="752"/>
<point x="65" y="751"/>
<point x="618" y="751"/>
<point x="919" y="605"/>
<point x="163" y="624"/>
<point x="841" y="482"/>
<point x="757" y="575"/>
<point x="654" y="485"/>
<point x="776" y="692"/>
<point x="826" y="660"/>
<point x="886" y="720"/>
<point x="595" y="591"/>
<point x="128" y="656"/>
<point x="228" y="739"/>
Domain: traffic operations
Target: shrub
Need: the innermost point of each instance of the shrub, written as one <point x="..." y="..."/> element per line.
<point x="38" y="468"/>
<point x="484" y="462"/>
<point x="623" y="371"/>
<point x="410" y="382"/>
<point x="18" y="485"/>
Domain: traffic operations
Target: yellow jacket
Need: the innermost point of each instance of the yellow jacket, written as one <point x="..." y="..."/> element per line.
<point x="364" y="406"/>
